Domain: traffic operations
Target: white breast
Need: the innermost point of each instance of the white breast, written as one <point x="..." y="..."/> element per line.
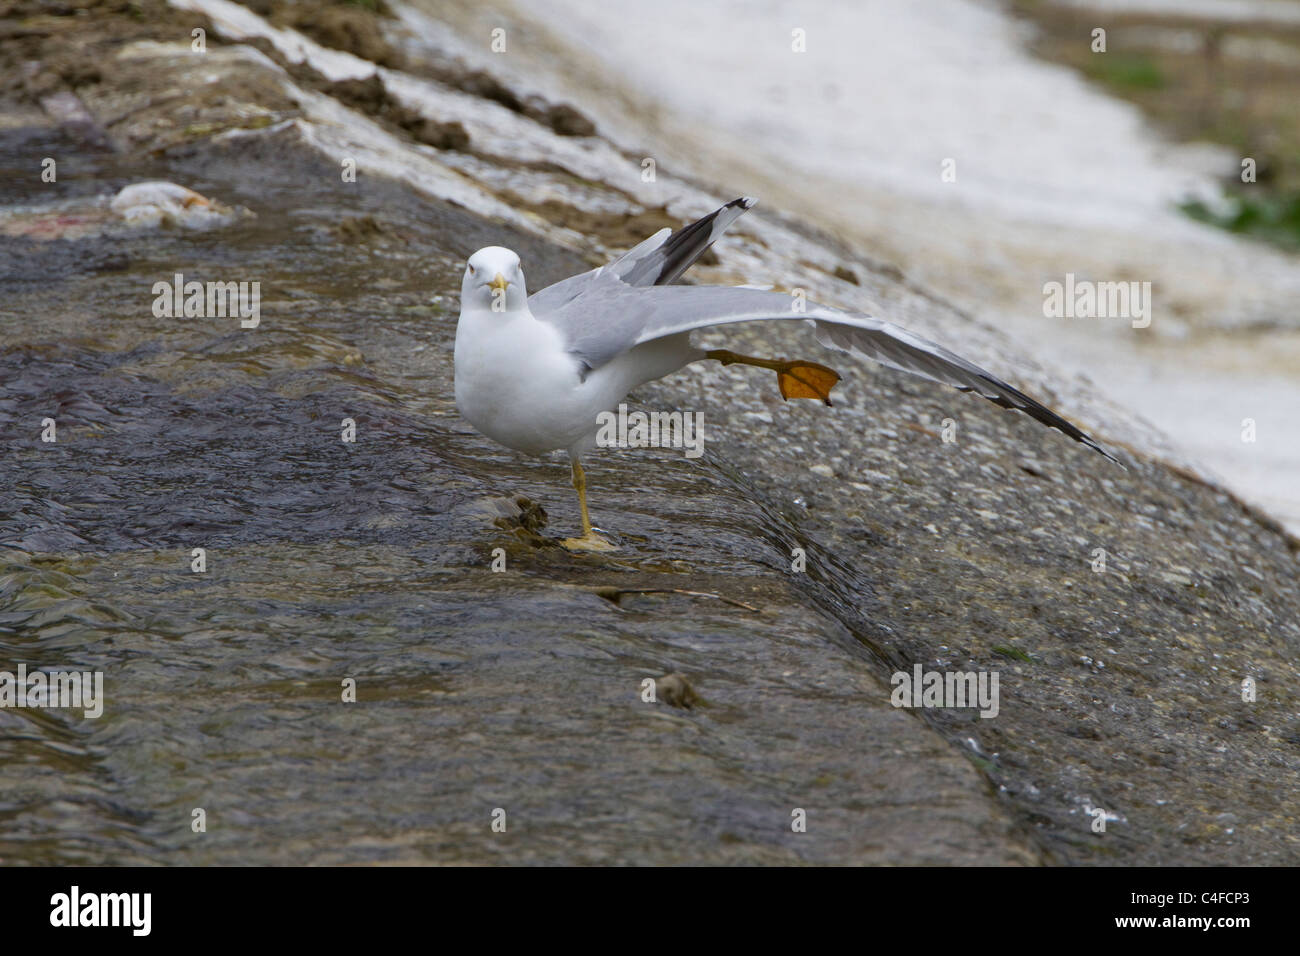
<point x="516" y="383"/>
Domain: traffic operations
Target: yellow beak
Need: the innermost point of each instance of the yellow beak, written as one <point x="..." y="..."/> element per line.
<point x="499" y="283"/>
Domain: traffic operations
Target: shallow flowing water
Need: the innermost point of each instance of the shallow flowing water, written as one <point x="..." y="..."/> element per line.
<point x="371" y="561"/>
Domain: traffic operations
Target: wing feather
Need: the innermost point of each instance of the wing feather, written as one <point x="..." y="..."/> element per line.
<point x="609" y="317"/>
<point x="658" y="260"/>
<point x="628" y="302"/>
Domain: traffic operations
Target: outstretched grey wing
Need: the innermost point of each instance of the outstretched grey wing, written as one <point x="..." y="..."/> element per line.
<point x="609" y="317"/>
<point x="659" y="260"/>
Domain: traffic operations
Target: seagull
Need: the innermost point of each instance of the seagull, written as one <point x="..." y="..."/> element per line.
<point x="533" y="373"/>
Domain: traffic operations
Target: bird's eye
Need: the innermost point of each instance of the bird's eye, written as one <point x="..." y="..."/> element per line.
<point x="472" y="270"/>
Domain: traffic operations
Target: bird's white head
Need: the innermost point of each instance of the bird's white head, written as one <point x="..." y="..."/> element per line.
<point x="493" y="281"/>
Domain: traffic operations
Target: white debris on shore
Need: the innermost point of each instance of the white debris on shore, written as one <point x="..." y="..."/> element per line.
<point x="160" y="203"/>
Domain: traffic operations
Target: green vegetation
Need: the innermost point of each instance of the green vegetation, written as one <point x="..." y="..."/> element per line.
<point x="1127" y="72"/>
<point x="1272" y="218"/>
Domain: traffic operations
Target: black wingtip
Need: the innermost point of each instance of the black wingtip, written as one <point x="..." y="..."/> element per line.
<point x="1019" y="401"/>
<point x="1099" y="447"/>
<point x="687" y="244"/>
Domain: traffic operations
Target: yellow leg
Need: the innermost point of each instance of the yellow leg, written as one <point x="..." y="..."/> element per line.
<point x="796" y="379"/>
<point x="580" y="486"/>
<point x="590" y="540"/>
